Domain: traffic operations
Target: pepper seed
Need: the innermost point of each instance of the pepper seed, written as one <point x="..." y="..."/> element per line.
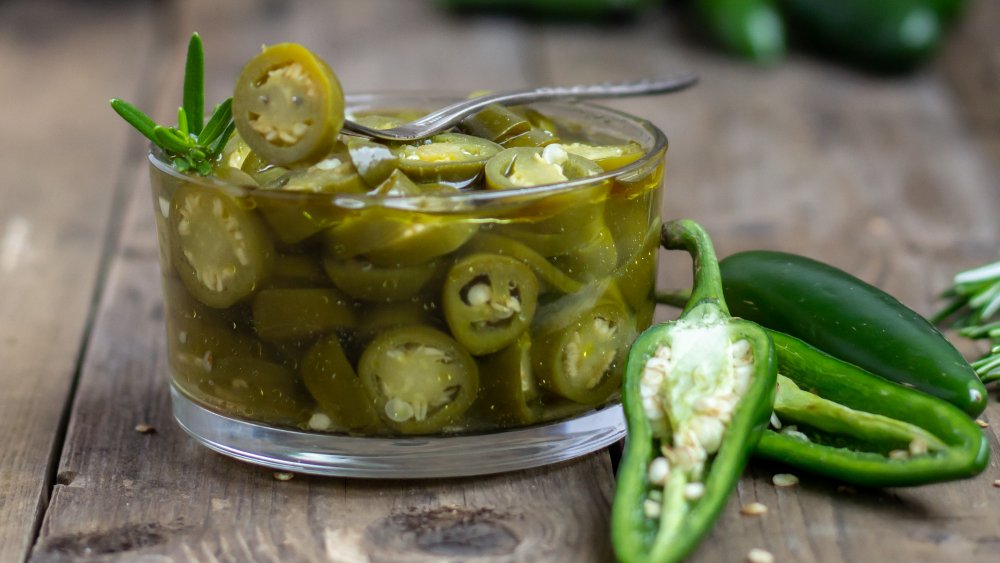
<point x="982" y="423"/>
<point x="283" y="476"/>
<point x="758" y="555"/>
<point x="785" y="480"/>
<point x="753" y="509"/>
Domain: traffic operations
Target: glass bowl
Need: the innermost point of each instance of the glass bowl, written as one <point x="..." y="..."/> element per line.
<point x="337" y="333"/>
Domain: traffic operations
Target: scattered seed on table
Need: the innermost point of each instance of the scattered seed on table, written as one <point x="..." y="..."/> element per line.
<point x="785" y="480"/>
<point x="996" y="483"/>
<point x="758" y="555"/>
<point x="283" y="475"/>
<point x="144" y="429"/>
<point x="753" y="509"/>
<point x="982" y="423"/>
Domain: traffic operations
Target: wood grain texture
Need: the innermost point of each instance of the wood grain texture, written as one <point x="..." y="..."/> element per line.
<point x="122" y="494"/>
<point x="894" y="180"/>
<point x="59" y="154"/>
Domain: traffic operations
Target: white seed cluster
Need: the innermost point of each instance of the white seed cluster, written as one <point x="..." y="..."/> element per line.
<point x="414" y="391"/>
<point x="692" y="431"/>
<point x="480" y="294"/>
<point x="272" y="130"/>
<point x="689" y="394"/>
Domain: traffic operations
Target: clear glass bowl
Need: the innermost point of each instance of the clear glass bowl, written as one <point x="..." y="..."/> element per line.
<point x="332" y="334"/>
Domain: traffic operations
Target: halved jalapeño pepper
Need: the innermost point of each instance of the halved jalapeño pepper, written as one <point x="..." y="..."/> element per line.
<point x="220" y="249"/>
<point x="841" y="421"/>
<point x="489" y="300"/>
<point x="419" y="379"/>
<point x="698" y="393"/>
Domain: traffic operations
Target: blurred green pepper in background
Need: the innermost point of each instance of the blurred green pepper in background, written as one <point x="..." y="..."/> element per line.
<point x="879" y="35"/>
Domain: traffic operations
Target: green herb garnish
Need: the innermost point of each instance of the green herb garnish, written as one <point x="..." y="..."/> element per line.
<point x="193" y="144"/>
<point x="974" y="301"/>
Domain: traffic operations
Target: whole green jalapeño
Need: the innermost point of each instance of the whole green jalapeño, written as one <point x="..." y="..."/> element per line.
<point x="698" y="393"/>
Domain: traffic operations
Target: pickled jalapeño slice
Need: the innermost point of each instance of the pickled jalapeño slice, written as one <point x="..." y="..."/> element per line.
<point x="220" y="249"/>
<point x="489" y="300"/>
<point x="583" y="362"/>
<point x="419" y="378"/>
<point x="288" y="105"/>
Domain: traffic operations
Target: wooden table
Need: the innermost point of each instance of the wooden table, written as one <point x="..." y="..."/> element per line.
<point x="895" y="180"/>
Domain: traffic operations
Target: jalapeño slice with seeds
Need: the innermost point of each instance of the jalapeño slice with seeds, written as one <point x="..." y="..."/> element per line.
<point x="288" y="105"/>
<point x="419" y="379"/>
<point x="489" y="300"/>
<point x="220" y="250"/>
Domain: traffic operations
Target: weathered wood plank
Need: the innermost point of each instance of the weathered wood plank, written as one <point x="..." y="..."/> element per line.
<point x="122" y="494"/>
<point x="60" y="151"/>
<point x="878" y="176"/>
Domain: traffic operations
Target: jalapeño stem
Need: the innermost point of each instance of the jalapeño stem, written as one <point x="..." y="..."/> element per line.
<point x="685" y="234"/>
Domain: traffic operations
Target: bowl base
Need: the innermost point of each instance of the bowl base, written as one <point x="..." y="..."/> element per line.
<point x="399" y="457"/>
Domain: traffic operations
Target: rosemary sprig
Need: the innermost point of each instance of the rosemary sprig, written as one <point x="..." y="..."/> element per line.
<point x="193" y="144"/>
<point x="974" y="303"/>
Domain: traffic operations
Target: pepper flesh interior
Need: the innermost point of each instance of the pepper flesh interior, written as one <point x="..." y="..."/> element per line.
<point x="416" y="381"/>
<point x="793" y="405"/>
<point x="689" y="394"/>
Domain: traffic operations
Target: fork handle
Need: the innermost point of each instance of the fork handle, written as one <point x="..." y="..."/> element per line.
<point x="448" y="116"/>
<point x="639" y="87"/>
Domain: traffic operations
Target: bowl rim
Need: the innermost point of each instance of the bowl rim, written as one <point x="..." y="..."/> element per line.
<point x="438" y="200"/>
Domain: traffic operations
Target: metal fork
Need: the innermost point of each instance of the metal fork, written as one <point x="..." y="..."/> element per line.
<point x="448" y="116"/>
